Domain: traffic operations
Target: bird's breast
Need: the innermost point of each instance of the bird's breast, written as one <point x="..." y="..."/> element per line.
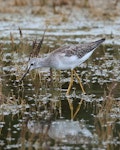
<point x="65" y="62"/>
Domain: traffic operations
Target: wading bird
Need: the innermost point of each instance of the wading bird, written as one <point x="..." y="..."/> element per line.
<point x="64" y="58"/>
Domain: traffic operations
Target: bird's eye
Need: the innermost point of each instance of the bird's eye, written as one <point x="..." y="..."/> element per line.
<point x="32" y="64"/>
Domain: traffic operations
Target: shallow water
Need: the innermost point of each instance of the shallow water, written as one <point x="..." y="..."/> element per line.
<point x="36" y="114"/>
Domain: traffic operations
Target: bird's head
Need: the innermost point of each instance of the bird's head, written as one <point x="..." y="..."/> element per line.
<point x="33" y="60"/>
<point x="32" y="64"/>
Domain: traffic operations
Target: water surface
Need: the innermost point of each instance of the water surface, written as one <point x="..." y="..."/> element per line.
<point x="36" y="113"/>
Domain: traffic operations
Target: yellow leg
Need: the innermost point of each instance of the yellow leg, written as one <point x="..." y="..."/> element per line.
<point x="78" y="109"/>
<point x="73" y="115"/>
<point x="78" y="78"/>
<point x="70" y="106"/>
<point x="51" y="75"/>
<point x="70" y="84"/>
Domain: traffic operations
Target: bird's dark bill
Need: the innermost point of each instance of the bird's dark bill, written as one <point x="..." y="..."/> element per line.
<point x="24" y="75"/>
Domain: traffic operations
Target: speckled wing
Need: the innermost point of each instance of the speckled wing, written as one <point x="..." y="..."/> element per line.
<point x="79" y="49"/>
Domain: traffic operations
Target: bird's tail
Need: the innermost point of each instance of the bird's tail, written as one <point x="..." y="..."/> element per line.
<point x="98" y="42"/>
<point x="94" y="45"/>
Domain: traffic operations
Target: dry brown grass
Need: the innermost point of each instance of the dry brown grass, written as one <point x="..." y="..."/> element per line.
<point x="98" y="9"/>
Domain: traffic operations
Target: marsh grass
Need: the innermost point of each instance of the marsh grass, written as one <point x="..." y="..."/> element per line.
<point x="14" y="50"/>
<point x="39" y="100"/>
<point x="106" y="118"/>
